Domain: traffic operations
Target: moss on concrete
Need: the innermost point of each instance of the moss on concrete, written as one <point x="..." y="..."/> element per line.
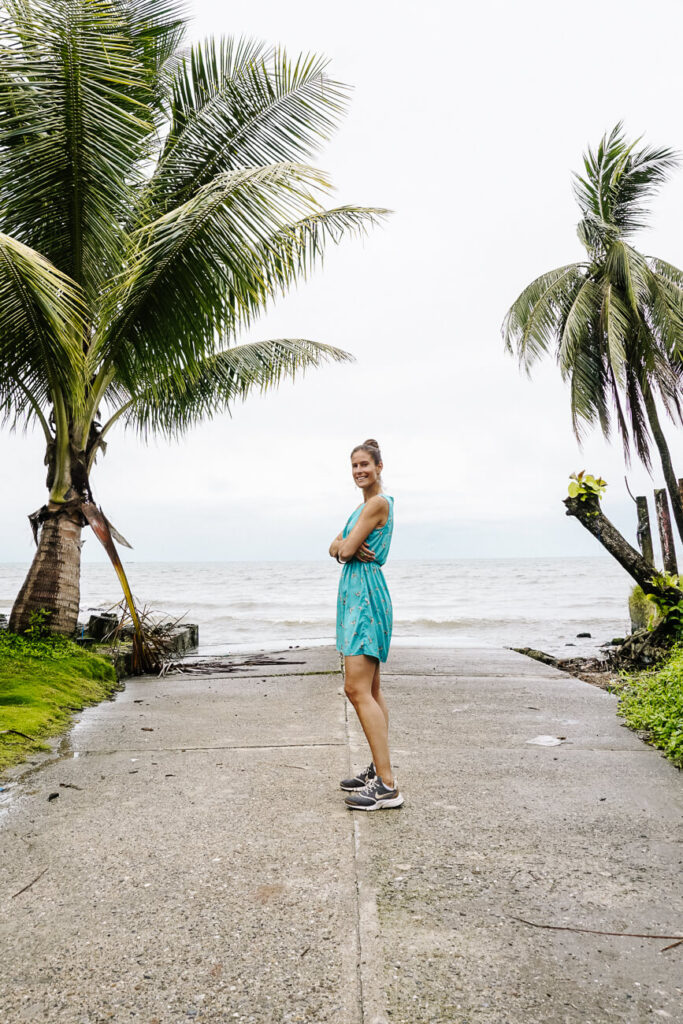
<point x="42" y="683"/>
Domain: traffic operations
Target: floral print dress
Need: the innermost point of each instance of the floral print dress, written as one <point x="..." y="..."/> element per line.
<point x="364" y="612"/>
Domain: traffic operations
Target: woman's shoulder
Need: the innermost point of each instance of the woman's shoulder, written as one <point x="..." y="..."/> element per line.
<point x="378" y="503"/>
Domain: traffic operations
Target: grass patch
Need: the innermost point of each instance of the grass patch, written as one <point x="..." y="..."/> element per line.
<point x="42" y="683"/>
<point x="653" y="702"/>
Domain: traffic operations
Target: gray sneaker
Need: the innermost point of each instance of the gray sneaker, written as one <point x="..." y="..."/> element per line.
<point x="360" y="780"/>
<point x="375" y="796"/>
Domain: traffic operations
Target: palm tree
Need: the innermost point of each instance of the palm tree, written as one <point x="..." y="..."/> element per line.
<point x="153" y="199"/>
<point x="615" y="320"/>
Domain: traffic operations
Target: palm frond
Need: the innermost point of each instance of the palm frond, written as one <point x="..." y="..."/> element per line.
<point x="79" y="103"/>
<point x="42" y="326"/>
<point x="616" y="323"/>
<point x="209" y="267"/>
<point x="637" y="416"/>
<point x="665" y="315"/>
<point x="619" y="180"/>
<point x="579" y="353"/>
<point x="172" y="403"/>
<point x="628" y="271"/>
<point x="235" y="104"/>
<point x="531" y="325"/>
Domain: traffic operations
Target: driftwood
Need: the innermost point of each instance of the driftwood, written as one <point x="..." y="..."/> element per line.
<point x="644" y="647"/>
<point x="587" y="510"/>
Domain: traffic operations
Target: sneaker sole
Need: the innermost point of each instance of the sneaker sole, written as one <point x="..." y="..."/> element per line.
<point x="352" y="789"/>
<point x="379" y="806"/>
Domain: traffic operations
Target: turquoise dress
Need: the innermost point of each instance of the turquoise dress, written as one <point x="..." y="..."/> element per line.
<point x="364" y="612"/>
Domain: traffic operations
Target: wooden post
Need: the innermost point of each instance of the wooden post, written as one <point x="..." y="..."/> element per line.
<point x="665" y="532"/>
<point x="643" y="533"/>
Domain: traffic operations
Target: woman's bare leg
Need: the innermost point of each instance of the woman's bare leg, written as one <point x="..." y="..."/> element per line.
<point x="379" y="696"/>
<point x="359" y="677"/>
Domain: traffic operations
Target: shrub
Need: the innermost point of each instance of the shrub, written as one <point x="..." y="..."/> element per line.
<point x="653" y="701"/>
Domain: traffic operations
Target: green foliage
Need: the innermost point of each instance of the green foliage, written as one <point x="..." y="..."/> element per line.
<point x="42" y="682"/>
<point x="39" y="624"/>
<point x="653" y="701"/>
<point x="37" y="645"/>
<point x="582" y="485"/>
<point x="643" y="612"/>
<point x="614" y="321"/>
<point x="669" y="602"/>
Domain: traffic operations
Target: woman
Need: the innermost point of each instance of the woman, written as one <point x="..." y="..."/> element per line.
<point x="364" y="619"/>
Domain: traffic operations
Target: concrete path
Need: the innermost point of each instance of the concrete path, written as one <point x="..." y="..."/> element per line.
<point x="199" y="863"/>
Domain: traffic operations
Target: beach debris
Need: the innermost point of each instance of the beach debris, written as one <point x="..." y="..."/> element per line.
<point x="593" y="931"/>
<point x="15" y="732"/>
<point x="146" y="728"/>
<point x="547" y="741"/>
<point x="52" y="796"/>
<point x="29" y="884"/>
<point x="70" y="785"/>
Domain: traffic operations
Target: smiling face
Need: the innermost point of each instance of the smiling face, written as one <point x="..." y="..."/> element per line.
<point x="363" y="469"/>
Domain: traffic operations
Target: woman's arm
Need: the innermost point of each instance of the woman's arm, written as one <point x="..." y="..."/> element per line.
<point x="334" y="546"/>
<point x="375" y="513"/>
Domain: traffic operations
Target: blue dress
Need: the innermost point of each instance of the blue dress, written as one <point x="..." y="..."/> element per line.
<point x="364" y="612"/>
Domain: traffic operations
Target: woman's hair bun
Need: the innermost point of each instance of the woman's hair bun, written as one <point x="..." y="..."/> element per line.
<point x="371" y="442"/>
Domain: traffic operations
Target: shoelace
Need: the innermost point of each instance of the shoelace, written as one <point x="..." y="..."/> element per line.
<point x="372" y="786"/>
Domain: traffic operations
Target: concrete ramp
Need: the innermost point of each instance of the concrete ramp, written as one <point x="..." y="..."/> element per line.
<point x="199" y="862"/>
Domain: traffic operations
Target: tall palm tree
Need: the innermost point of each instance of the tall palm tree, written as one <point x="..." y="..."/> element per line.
<point x="614" y="322"/>
<point x="153" y="199"/>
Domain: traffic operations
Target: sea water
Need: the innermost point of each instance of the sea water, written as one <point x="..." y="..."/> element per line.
<point x="513" y="602"/>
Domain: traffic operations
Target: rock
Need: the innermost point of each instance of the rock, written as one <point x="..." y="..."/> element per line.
<point x="579" y="636"/>
<point x="101" y="625"/>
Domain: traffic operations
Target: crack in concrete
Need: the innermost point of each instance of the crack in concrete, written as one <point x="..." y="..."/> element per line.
<point x="190" y="750"/>
<point x="354" y="856"/>
<point x="370" y="995"/>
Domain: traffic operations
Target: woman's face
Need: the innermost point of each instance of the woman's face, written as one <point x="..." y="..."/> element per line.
<point x="365" y="472"/>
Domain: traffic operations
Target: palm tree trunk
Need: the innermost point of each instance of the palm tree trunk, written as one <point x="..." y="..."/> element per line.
<point x="665" y="457"/>
<point x="53" y="581"/>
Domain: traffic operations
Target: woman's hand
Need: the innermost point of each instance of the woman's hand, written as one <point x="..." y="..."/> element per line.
<point x="365" y="554"/>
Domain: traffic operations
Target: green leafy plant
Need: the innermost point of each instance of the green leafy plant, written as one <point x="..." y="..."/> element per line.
<point x="653" y="701"/>
<point x="46" y="648"/>
<point x="582" y="485"/>
<point x="667" y="603"/>
<point x="39" y="624"/>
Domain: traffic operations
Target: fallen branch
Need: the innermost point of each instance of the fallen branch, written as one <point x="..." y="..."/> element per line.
<point x="588" y="512"/>
<point x="30" y="883"/>
<point x="16" y="732"/>
<point x="594" y="931"/>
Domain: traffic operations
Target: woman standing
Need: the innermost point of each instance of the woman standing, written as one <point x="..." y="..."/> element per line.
<point x="364" y="621"/>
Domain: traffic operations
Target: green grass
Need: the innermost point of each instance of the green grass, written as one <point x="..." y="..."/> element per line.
<point x="653" y="701"/>
<point x="42" y="683"/>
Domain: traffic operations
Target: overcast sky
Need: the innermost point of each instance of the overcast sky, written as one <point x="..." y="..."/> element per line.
<point x="466" y="120"/>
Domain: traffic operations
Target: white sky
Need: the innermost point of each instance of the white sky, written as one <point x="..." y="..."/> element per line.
<point x="466" y="121"/>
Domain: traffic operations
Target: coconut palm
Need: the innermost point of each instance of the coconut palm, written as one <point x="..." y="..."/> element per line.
<point x="153" y="199"/>
<point x="614" y="322"/>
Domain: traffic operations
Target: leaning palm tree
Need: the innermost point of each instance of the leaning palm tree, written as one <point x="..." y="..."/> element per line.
<point x="614" y="321"/>
<point x="153" y="200"/>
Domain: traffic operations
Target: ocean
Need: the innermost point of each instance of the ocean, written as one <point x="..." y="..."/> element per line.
<point x="242" y="606"/>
